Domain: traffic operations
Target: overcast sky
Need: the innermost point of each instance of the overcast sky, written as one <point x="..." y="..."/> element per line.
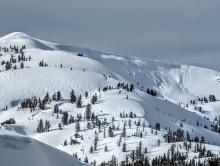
<point x="186" y="31"/>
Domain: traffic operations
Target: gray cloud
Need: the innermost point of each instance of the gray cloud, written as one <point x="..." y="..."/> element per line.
<point x="180" y="31"/>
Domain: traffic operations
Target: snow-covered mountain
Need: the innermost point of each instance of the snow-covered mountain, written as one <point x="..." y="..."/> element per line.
<point x="42" y="67"/>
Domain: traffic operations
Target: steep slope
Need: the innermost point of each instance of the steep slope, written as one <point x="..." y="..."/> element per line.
<point x="178" y="83"/>
<point x="49" y="67"/>
<point x="19" y="150"/>
<point x="174" y="82"/>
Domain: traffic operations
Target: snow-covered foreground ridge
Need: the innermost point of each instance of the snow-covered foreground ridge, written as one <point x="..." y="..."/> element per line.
<point x="32" y="67"/>
<point x="19" y="150"/>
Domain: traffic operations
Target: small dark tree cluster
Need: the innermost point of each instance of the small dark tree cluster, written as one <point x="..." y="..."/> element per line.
<point x="127" y="87"/>
<point x="157" y="126"/>
<point x="77" y="127"/>
<point x="13" y="49"/>
<point x="9" y="121"/>
<point x="110" y="132"/>
<point x="57" y="96"/>
<point x="127" y="115"/>
<point x="212" y="98"/>
<point x="94" y="99"/>
<point x="88" y="112"/>
<point x="72" y="97"/>
<point x="11" y="63"/>
<point x="64" y="118"/>
<point x="151" y="92"/>
<point x="43" y="64"/>
<point x="43" y="127"/>
<point x="80" y="54"/>
<point x="79" y="102"/>
<point x="175" y="136"/>
<point x="33" y="103"/>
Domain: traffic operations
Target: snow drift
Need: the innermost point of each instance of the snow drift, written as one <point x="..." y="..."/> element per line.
<point x="19" y="150"/>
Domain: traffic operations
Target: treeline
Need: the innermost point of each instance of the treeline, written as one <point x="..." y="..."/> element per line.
<point x="43" y="64"/>
<point x="210" y="98"/>
<point x="35" y="103"/>
<point x="127" y="87"/>
<point x="15" y="49"/>
<point x="179" y="135"/>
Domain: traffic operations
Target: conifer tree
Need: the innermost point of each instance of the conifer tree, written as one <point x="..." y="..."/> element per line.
<point x="77" y="127"/>
<point x="56" y="108"/>
<point x="72" y="97"/>
<point x="94" y="98"/>
<point x="60" y="126"/>
<point x="86" y="160"/>
<point x="96" y="142"/>
<point x="22" y="65"/>
<point x="131" y="87"/>
<point x="86" y="94"/>
<point x="47" y="126"/>
<point x="124" y="148"/>
<point x="110" y="132"/>
<point x="106" y="148"/>
<point x="65" y="118"/>
<point x="79" y="102"/>
<point x="88" y="112"/>
<point x="124" y="130"/>
<point x="71" y="120"/>
<point x="65" y="143"/>
<point x="59" y="96"/>
<point x="40" y="127"/>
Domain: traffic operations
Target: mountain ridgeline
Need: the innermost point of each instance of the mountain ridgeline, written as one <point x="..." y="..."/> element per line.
<point x="103" y="108"/>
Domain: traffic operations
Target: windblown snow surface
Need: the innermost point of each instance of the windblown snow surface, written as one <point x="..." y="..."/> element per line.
<point x="175" y="83"/>
<point x="16" y="149"/>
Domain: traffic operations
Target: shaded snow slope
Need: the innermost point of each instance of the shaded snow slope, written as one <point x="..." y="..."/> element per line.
<point x="178" y="83"/>
<point x="19" y="150"/>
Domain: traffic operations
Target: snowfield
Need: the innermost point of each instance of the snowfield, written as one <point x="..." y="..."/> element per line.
<point x="83" y="70"/>
<point x="18" y="85"/>
<point x="16" y="149"/>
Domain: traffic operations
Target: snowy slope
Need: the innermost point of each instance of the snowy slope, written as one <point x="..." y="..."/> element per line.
<point x="176" y="82"/>
<point x="66" y="70"/>
<point x="19" y="150"/>
<point x="110" y="105"/>
<point x="19" y="39"/>
<point x="21" y="84"/>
